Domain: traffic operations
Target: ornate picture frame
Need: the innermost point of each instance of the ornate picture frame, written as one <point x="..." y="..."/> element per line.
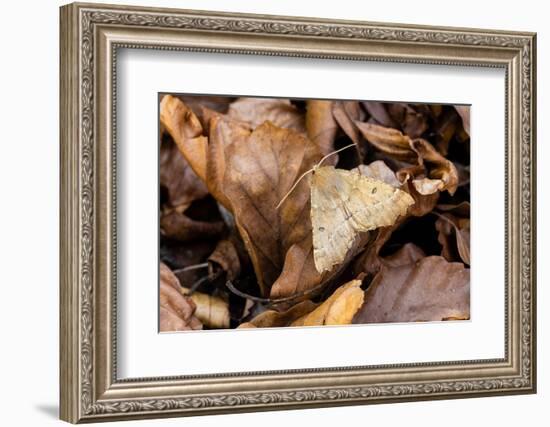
<point x="90" y="37"/>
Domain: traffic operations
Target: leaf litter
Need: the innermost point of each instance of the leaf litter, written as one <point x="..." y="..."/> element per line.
<point x="256" y="233"/>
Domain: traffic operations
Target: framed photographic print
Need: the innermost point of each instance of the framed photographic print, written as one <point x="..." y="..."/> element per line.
<point x="265" y="212"/>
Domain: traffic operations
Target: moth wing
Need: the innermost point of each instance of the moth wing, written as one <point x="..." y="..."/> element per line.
<point x="332" y="234"/>
<point x="371" y="203"/>
<point x="345" y="203"/>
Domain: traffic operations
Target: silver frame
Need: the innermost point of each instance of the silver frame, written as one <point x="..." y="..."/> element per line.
<point x="90" y="37"/>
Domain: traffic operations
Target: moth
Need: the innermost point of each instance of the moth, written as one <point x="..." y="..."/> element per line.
<point x="345" y="203"/>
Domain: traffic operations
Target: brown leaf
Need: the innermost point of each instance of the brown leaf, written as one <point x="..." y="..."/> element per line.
<point x="379" y="113"/>
<point x="430" y="289"/>
<point x="454" y="236"/>
<point x="346" y="113"/>
<point x="409" y="253"/>
<point x="176" y="310"/>
<point x="186" y="130"/>
<point x="338" y="309"/>
<point x="211" y="310"/>
<point x="226" y="257"/>
<point x="445" y="128"/>
<point x="464" y="112"/>
<point x="411" y="121"/>
<point x="223" y="134"/>
<point x="273" y="318"/>
<point x="182" y="184"/>
<point x="256" y="111"/>
<point x="260" y="171"/>
<point x="177" y="225"/>
<point x="440" y="168"/>
<point x="389" y="141"/>
<point x="394" y="143"/>
<point x="322" y="127"/>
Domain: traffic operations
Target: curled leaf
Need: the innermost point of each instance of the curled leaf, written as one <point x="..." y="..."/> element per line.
<point x="394" y="143"/>
<point x="227" y="258"/>
<point x="176" y="310"/>
<point x="338" y="309"/>
<point x="211" y="310"/>
<point x="454" y="236"/>
<point x="273" y="318"/>
<point x="321" y="126"/>
<point x="177" y="225"/>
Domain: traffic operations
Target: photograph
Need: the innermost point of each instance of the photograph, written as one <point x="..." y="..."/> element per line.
<point x="288" y="212"/>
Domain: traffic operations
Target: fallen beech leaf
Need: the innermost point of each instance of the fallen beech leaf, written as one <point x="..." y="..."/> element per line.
<point x="454" y="236"/>
<point x="423" y="203"/>
<point x="177" y="225"/>
<point x="464" y="112"/>
<point x="223" y="134"/>
<point x="273" y="318"/>
<point x="227" y="258"/>
<point x="409" y="253"/>
<point x="420" y="151"/>
<point x="344" y="204"/>
<point x="176" y="310"/>
<point x="299" y="273"/>
<point x="185" y="129"/>
<point x="388" y="140"/>
<point x="411" y="121"/>
<point x="322" y="127"/>
<point x="260" y="171"/>
<point x="346" y="113"/>
<point x="211" y="310"/>
<point x="442" y="169"/>
<point x="378" y="112"/>
<point x="338" y="309"/>
<point x="427" y="186"/>
<point x="431" y="289"/>
<point x="182" y="184"/>
<point x="255" y="111"/>
<point x="445" y="128"/>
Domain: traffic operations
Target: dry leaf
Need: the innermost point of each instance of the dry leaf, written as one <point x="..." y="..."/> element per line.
<point x="177" y="225"/>
<point x="182" y="185"/>
<point x="389" y="141"/>
<point x="185" y="129"/>
<point x="464" y="113"/>
<point x="346" y="113"/>
<point x="259" y="173"/>
<point x="409" y="253"/>
<point x="211" y="310"/>
<point x="394" y="143"/>
<point x="454" y="236"/>
<point x="322" y="127"/>
<point x="378" y="113"/>
<point x="176" y="310"/>
<point x="344" y="204"/>
<point x="338" y="309"/>
<point x="273" y="318"/>
<point x="256" y="111"/>
<point x="430" y="289"/>
<point x="226" y="257"/>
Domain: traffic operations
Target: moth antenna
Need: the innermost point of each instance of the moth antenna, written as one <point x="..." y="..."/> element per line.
<point x="294" y="186"/>
<point x="308" y="171"/>
<point x="332" y="153"/>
